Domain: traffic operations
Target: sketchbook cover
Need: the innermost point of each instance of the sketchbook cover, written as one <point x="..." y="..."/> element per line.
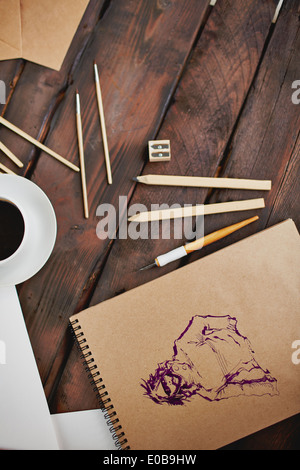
<point x="203" y="356"/>
<point x="39" y="30"/>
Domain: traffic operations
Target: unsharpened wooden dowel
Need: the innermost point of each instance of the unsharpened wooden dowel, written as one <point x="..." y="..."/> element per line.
<point x="201" y="209"/>
<point x="10" y="155"/>
<point x="38" y="144"/>
<point x="81" y="157"/>
<point x="6" y="170"/>
<point x="204" y="182"/>
<point x="102" y="123"/>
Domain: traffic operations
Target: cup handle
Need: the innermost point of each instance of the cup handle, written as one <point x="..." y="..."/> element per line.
<point x="24" y="413"/>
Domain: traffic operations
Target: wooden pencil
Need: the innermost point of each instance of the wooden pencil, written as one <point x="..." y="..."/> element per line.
<point x="204" y="182"/>
<point x="81" y="156"/>
<point x="10" y="155"/>
<point x="38" y="144"/>
<point x="201" y="209"/>
<point x="6" y="170"/>
<point x="277" y="11"/>
<point x="102" y="123"/>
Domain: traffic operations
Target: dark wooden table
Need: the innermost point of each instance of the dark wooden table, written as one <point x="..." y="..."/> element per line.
<point x="215" y="81"/>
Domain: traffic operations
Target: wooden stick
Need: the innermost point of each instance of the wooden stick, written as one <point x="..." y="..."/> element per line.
<point x="6" y="170"/>
<point x="35" y="142"/>
<point x="213" y="237"/>
<point x="277" y="11"/>
<point x="203" y="182"/>
<point x="201" y="209"/>
<point x="102" y="122"/>
<point x="10" y="155"/>
<point x="81" y="156"/>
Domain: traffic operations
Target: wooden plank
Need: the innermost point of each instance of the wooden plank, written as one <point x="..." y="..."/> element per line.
<point x="286" y="203"/>
<point x="281" y="436"/>
<point x="137" y="55"/>
<point x="10" y="72"/>
<point x="199" y="124"/>
<point x="268" y="129"/>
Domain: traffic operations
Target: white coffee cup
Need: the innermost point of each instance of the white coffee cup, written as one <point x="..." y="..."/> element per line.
<point x="39" y="234"/>
<point x="24" y="413"/>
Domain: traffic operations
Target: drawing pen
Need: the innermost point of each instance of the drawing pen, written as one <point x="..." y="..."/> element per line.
<point x="184" y="250"/>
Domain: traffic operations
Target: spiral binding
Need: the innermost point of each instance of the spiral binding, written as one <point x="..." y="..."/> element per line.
<point x="110" y="415"/>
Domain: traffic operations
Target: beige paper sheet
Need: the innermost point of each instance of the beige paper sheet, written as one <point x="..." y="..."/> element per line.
<point x="256" y="281"/>
<point x="40" y="31"/>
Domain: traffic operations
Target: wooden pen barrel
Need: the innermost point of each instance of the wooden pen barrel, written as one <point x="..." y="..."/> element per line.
<point x="213" y="237"/>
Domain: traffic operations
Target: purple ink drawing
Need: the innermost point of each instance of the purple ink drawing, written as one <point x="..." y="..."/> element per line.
<point x="211" y="359"/>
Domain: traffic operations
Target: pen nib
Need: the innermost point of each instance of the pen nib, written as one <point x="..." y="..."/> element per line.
<point x="148" y="267"/>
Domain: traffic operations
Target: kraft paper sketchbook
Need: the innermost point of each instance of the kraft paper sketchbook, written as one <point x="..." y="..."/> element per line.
<point x="39" y="30"/>
<point x="202" y="356"/>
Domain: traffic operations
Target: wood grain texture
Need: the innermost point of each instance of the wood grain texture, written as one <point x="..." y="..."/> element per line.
<point x="194" y="124"/>
<point x="136" y="54"/>
<point x="11" y="71"/>
<point x="265" y="143"/>
<point x="216" y="82"/>
<point x="198" y="141"/>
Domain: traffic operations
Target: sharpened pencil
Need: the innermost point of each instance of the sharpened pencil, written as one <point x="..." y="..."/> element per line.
<point x="102" y="123"/>
<point x="204" y="182"/>
<point x="201" y="209"/>
<point x="81" y="156"/>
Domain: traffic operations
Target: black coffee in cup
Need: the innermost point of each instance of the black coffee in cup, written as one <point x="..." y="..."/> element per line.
<point x="12" y="229"/>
